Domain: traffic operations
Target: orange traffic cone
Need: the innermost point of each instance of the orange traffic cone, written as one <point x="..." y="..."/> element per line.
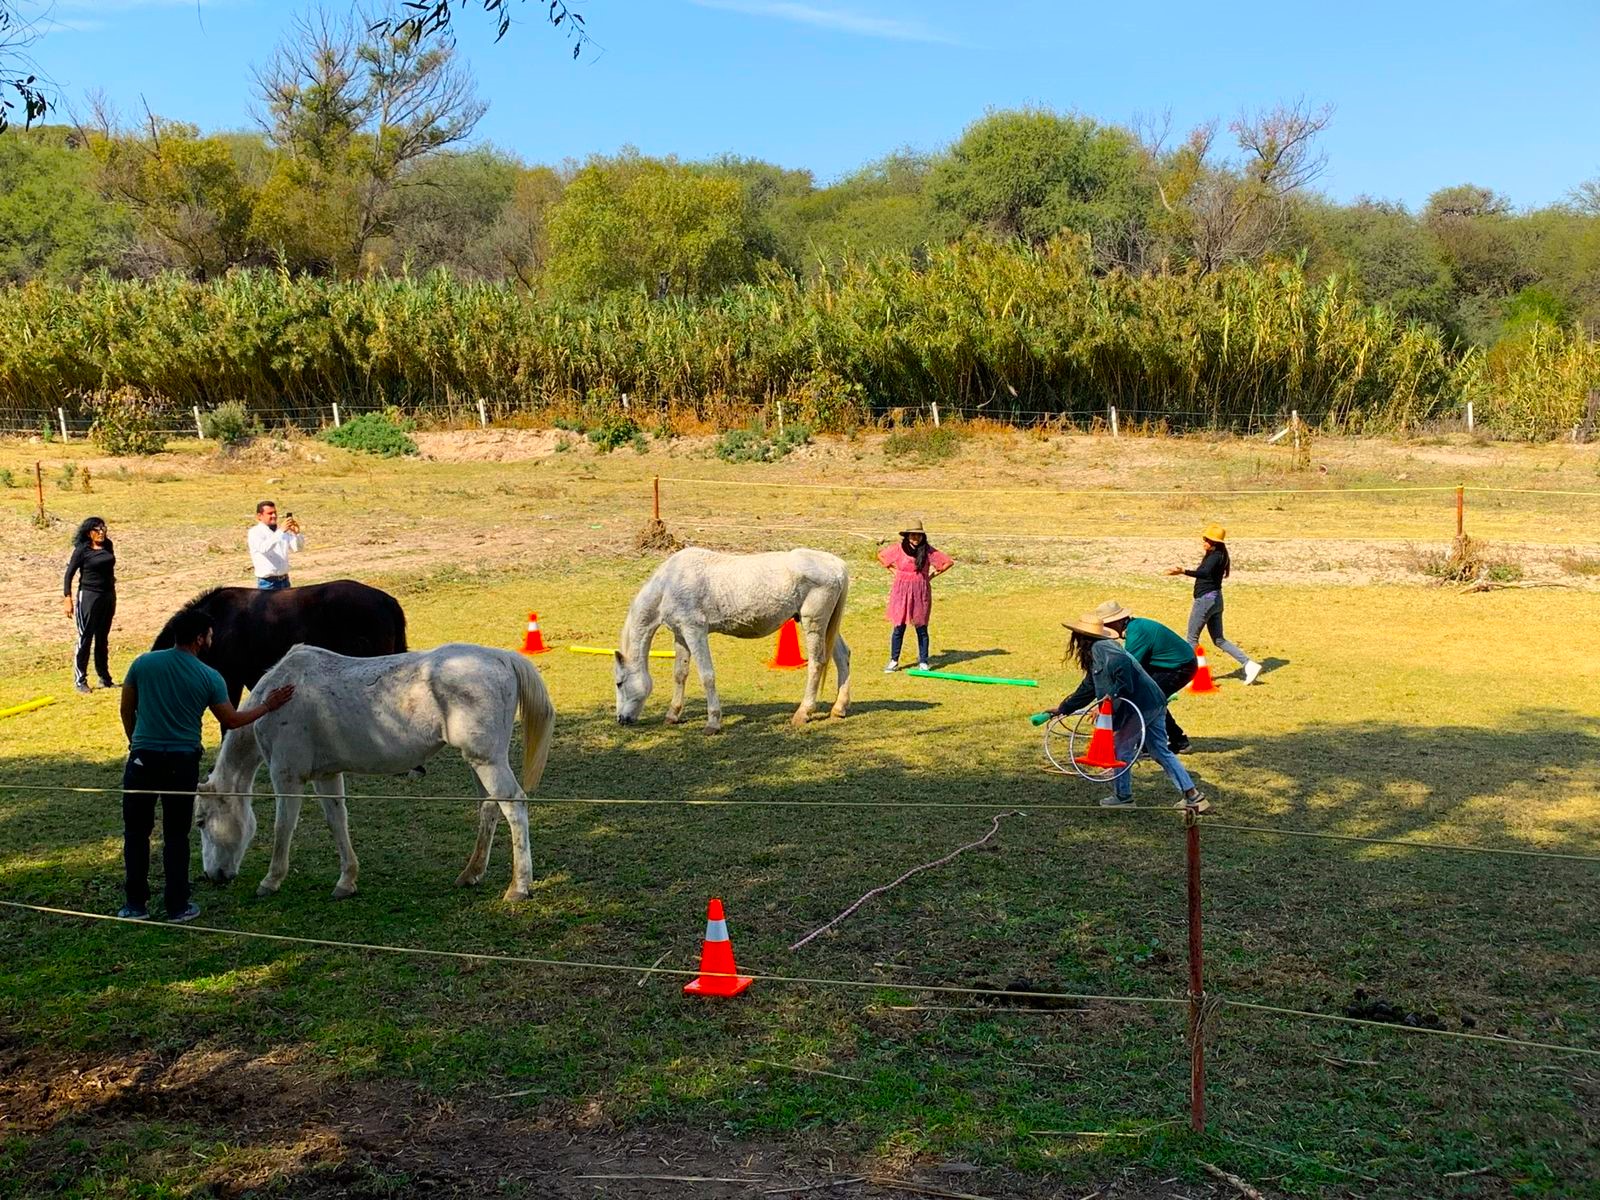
<point x="788" y="656"/>
<point x="1202" y="673"/>
<point x="718" y="975"/>
<point x="533" y="642"/>
<point x="1102" y="743"/>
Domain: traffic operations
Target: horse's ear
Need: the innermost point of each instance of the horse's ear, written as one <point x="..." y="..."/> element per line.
<point x="617" y="654"/>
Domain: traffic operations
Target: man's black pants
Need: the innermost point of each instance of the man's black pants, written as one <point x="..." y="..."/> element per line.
<point x="174" y="774"/>
<point x="1171" y="681"/>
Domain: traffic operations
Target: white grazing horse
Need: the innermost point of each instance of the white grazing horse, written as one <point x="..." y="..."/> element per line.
<point x="699" y="592"/>
<point x="379" y="716"/>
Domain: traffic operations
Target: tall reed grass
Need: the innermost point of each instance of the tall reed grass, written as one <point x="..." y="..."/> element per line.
<point x="978" y="328"/>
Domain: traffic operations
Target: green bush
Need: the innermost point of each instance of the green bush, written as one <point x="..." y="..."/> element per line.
<point x="128" y="421"/>
<point x="229" y="423"/>
<point x="926" y="443"/>
<point x="640" y="443"/>
<point x="384" y="434"/>
<point x="752" y="443"/>
<point x="830" y="402"/>
<point x="613" y="432"/>
<point x="7" y="479"/>
<point x="68" y="476"/>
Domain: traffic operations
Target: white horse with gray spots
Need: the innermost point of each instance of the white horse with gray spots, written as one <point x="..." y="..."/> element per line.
<point x="699" y="592"/>
<point x="379" y="716"/>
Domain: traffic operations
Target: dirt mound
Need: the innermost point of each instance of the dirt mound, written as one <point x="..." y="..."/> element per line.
<point x="656" y="538"/>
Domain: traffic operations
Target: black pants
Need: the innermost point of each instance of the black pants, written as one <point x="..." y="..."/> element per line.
<point x="1171" y="681"/>
<point x="175" y="774"/>
<point x="95" y="610"/>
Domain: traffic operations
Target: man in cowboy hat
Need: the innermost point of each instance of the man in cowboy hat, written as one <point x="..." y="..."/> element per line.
<point x="1166" y="657"/>
<point x="1111" y="673"/>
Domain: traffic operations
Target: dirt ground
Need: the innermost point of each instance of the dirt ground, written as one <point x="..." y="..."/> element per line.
<point x="288" y="1131"/>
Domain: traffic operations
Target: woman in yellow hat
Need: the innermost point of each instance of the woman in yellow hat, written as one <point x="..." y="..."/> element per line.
<point x="913" y="563"/>
<point x="1207" y="610"/>
<point x="1110" y="671"/>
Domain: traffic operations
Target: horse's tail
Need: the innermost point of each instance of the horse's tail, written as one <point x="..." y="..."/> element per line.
<point x="400" y="646"/>
<point x="538" y="721"/>
<point x="835" y="620"/>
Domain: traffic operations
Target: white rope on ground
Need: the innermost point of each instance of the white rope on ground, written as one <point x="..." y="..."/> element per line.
<point x="577" y="964"/>
<point x="958" y="805"/>
<point x="1339" y="1019"/>
<point x="928" y="866"/>
<point x="1044" y="489"/>
<point x="814" y="981"/>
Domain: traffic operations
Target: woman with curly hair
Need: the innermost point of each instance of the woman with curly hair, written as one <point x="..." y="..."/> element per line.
<point x="94" y="562"/>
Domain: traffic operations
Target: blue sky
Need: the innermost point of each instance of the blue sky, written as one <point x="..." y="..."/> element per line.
<point x="1426" y="93"/>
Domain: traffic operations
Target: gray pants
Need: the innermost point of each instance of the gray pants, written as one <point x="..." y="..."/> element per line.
<point x="1207" y="615"/>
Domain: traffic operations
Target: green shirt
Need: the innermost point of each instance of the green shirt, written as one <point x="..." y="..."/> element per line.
<point x="1155" y="647"/>
<point x="172" y="689"/>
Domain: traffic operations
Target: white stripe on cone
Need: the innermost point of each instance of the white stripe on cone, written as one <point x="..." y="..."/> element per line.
<point x="717" y="931"/>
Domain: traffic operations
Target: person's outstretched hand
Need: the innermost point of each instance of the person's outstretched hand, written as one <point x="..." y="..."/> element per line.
<point x="1175" y="571"/>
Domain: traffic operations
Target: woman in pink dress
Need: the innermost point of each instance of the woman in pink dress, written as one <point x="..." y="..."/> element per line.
<point x="913" y="563"/>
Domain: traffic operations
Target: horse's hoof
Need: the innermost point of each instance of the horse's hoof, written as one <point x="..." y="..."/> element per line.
<point x="674" y="720"/>
<point x="838" y="713"/>
<point x="343" y="893"/>
<point x="799" y="719"/>
<point x="263" y="890"/>
<point x="467" y="879"/>
<point x="713" y="728"/>
<point x="514" y="894"/>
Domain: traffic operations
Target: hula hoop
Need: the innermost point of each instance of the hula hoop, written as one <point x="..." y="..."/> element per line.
<point x="1076" y="735"/>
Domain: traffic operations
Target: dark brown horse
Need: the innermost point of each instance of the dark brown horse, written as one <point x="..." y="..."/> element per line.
<point x="252" y="629"/>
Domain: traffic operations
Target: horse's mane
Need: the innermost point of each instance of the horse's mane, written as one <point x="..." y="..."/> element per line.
<point x="164" y="639"/>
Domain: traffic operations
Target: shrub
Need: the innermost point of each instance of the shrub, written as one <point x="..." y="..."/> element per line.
<point x="68" y="476"/>
<point x="640" y="443"/>
<point x="1574" y="563"/>
<point x="1467" y="561"/>
<point x="128" y="421"/>
<point x="384" y="434"/>
<point x="7" y="479"/>
<point x="229" y="423"/>
<point x="926" y="443"/>
<point x="829" y="401"/>
<point x="752" y="443"/>
<point x="613" y="432"/>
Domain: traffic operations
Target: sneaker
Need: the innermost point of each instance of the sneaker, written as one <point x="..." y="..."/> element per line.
<point x="1252" y="670"/>
<point x="922" y="666"/>
<point x="187" y="914"/>
<point x="1181" y="746"/>
<point x="108" y="683"/>
<point x="131" y="912"/>
<point x="81" y="688"/>
<point x="892" y="667"/>
<point x="1116" y="801"/>
<point x="1195" y="803"/>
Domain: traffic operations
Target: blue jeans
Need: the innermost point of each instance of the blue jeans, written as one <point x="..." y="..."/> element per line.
<point x="272" y="585"/>
<point x="1206" y="614"/>
<point x="1156" y="746"/>
<point x="897" y="638"/>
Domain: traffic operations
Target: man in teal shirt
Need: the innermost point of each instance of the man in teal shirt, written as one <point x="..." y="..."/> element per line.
<point x="165" y="693"/>
<point x="1165" y="655"/>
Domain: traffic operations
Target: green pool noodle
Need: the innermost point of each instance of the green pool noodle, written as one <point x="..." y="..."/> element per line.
<point x="1040" y="718"/>
<point x="951" y="675"/>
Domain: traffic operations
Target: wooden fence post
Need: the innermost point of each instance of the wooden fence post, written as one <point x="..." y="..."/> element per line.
<point x="1470" y="423"/>
<point x="1461" y="510"/>
<point x="658" y="498"/>
<point x="1197" y="992"/>
<point x="935" y="414"/>
<point x="483" y="414"/>
<point x="38" y="487"/>
<point x="199" y="429"/>
<point x="1114" y="431"/>
<point x="336" y="421"/>
<point x="61" y="415"/>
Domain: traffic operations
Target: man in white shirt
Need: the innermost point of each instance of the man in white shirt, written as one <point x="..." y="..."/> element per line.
<point x="270" y="547"/>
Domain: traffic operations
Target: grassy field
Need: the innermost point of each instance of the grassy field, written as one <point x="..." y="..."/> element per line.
<point x="1391" y="709"/>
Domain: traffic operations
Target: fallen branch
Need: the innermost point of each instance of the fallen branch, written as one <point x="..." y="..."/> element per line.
<point x="1349" y="1062"/>
<point x="1465" y="1174"/>
<point x="681" y="1178"/>
<point x="816" y="1187"/>
<point x="807" y="1070"/>
<point x="905" y="1185"/>
<point x="1490" y="585"/>
<point x="1244" y="1188"/>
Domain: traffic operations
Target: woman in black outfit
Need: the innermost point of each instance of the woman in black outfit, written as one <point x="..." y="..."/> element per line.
<point x="94" y="562"/>
<point x="1206" y="614"/>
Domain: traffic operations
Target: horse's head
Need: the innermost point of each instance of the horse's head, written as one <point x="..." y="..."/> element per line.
<point x="633" y="687"/>
<point x="227" y="824"/>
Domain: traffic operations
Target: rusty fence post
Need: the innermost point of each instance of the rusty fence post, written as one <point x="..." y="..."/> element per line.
<point x="658" y="497"/>
<point x="1461" y="510"/>
<point x="38" y="484"/>
<point x="1197" y="993"/>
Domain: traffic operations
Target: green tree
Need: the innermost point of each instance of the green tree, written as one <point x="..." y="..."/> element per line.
<point x="634" y="223"/>
<point x="20" y="89"/>
<point x="352" y="113"/>
<point x="54" y="224"/>
<point x="192" y="196"/>
<point x="1384" y="250"/>
<point x="880" y="209"/>
<point x="1032" y="173"/>
<point x="518" y="246"/>
<point x="448" y="212"/>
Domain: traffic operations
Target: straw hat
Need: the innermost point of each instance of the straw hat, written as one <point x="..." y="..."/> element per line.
<point x="1091" y="625"/>
<point x="914" y="527"/>
<point x="1215" y="533"/>
<point x="1112" y="611"/>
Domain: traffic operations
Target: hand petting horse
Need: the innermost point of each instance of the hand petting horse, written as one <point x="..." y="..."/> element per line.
<point x="380" y="716"/>
<point x="699" y="592"/>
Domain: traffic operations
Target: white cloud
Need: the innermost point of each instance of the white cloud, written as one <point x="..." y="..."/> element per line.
<point x="837" y="19"/>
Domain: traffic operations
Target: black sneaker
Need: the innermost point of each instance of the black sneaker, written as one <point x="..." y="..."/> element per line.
<point x="108" y="683"/>
<point x="81" y="688"/>
<point x="1181" y="746"/>
<point x="187" y="914"/>
<point x="131" y="912"/>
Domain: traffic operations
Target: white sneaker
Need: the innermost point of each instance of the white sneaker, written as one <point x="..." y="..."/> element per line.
<point x="1252" y="670"/>
<point x="922" y="666"/>
<point x="893" y="666"/>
